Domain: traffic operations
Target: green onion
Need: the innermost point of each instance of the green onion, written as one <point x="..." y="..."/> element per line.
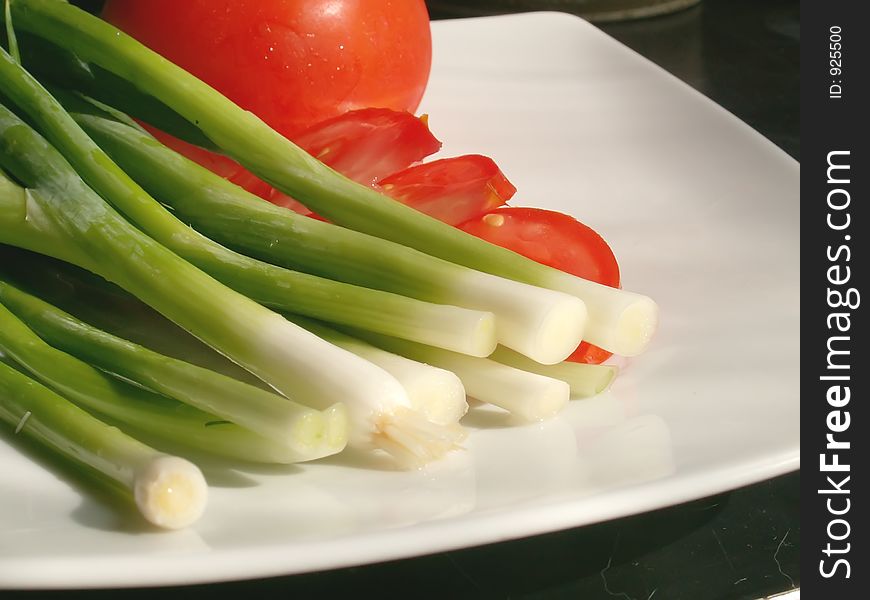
<point x="291" y="359"/>
<point x="456" y="328"/>
<point x="542" y="324"/>
<point x="169" y="492"/>
<point x="142" y="412"/>
<point x="436" y="393"/>
<point x="61" y="68"/>
<point x="10" y="33"/>
<point x="619" y="321"/>
<point x="23" y="224"/>
<point x="529" y="396"/>
<point x="585" y="380"/>
<point x="288" y="357"/>
<point x="311" y="434"/>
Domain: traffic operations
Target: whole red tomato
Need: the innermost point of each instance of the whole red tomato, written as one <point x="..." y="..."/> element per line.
<point x="291" y="62"/>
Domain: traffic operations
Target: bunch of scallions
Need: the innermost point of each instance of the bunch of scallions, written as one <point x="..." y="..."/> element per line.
<point x="368" y="331"/>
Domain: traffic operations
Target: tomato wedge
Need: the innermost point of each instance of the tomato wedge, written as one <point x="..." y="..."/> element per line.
<point x="369" y="144"/>
<point x="453" y="190"/>
<point x="216" y="163"/>
<point x="364" y="145"/>
<point x="557" y="240"/>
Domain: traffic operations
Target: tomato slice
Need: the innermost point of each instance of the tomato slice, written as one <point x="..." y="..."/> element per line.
<point x="453" y="190"/>
<point x="216" y="163"/>
<point x="369" y="144"/>
<point x="589" y="354"/>
<point x="557" y="240"/>
<point x="364" y="145"/>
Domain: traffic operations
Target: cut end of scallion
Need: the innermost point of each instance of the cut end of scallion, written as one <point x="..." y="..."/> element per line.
<point x="584" y="380"/>
<point x="322" y="433"/>
<point x="545" y="325"/>
<point x="620" y="321"/>
<point x="437" y="393"/>
<point x="412" y="440"/>
<point x="170" y="492"/>
<point x="482" y="337"/>
<point x="337" y="426"/>
<point x="526" y="395"/>
<point x="635" y="327"/>
<point x="560" y="329"/>
<point x="550" y="400"/>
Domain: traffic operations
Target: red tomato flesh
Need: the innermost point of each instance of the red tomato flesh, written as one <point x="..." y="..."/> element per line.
<point x="367" y="145"/>
<point x="216" y="163"/>
<point x="364" y="145"/>
<point x="557" y="240"/>
<point x="453" y="190"/>
<point x="291" y="62"/>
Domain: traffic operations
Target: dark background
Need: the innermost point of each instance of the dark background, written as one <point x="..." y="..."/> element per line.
<point x="744" y="54"/>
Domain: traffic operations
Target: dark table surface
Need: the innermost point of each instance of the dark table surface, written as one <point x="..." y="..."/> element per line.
<point x="741" y="545"/>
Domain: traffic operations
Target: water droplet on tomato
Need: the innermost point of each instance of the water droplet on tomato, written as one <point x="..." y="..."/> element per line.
<point x="494" y="220"/>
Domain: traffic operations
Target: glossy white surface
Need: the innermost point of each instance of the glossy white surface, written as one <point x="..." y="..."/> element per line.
<point x="703" y="214"/>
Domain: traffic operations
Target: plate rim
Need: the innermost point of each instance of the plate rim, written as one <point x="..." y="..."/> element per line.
<point x="404" y="542"/>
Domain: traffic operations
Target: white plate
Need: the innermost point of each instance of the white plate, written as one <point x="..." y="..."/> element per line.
<point x="703" y="214"/>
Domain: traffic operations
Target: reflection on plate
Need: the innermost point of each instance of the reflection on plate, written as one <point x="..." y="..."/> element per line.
<point x="703" y="215"/>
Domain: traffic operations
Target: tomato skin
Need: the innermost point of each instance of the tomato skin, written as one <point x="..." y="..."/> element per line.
<point x="364" y="145"/>
<point x="552" y="238"/>
<point x="216" y="163"/>
<point x="589" y="354"/>
<point x="291" y="62"/>
<point x="557" y="240"/>
<point x="367" y="145"/>
<point x="453" y="190"/>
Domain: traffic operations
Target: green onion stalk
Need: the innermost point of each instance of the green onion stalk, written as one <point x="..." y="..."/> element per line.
<point x="22" y="224"/>
<point x="456" y="328"/>
<point x="310" y="433"/>
<point x="169" y="491"/>
<point x="291" y="359"/>
<point x="539" y="323"/>
<point x="10" y="32"/>
<point x="585" y="380"/>
<point x="619" y="321"/>
<point x="528" y="396"/>
<point x="142" y="412"/>
<point x="436" y="393"/>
